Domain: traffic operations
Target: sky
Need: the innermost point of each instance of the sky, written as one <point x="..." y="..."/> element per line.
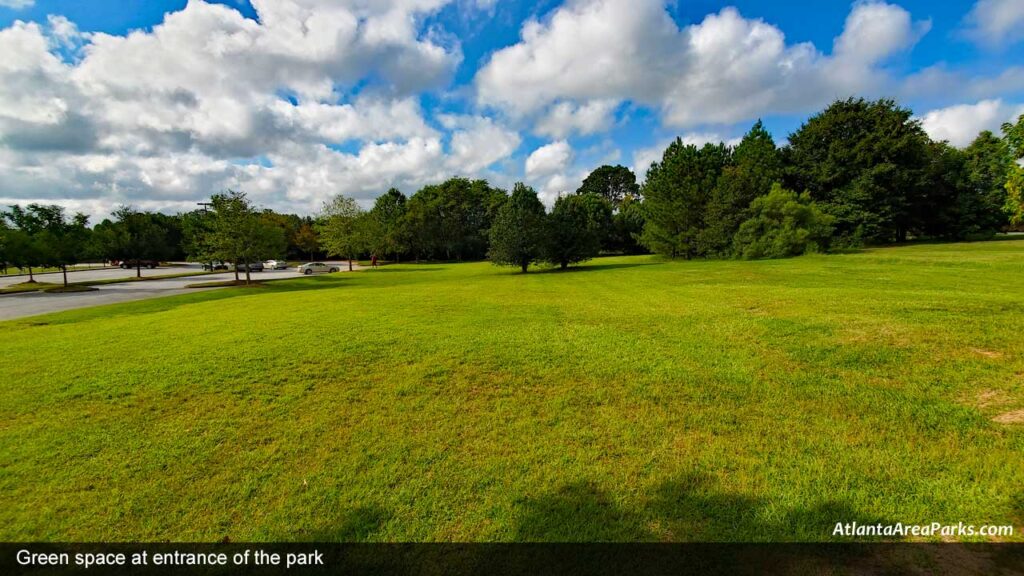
<point x="158" y="104"/>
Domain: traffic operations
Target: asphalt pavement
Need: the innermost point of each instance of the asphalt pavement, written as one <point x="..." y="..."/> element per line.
<point x="33" y="303"/>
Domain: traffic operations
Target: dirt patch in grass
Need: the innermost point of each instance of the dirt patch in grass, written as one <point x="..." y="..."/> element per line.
<point x="987" y="353"/>
<point x="1012" y="417"/>
<point x="991" y="398"/>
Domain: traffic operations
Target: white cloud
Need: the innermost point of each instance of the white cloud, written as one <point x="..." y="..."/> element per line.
<point x="962" y="123"/>
<point x="875" y="30"/>
<point x="478" y="142"/>
<point x="549" y="159"/>
<point x="566" y="118"/>
<point x="996" y="23"/>
<point x="724" y="69"/>
<point x="209" y="99"/>
<point x="17" y="4"/>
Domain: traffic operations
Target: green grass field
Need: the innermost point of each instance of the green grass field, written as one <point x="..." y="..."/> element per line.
<point x="630" y="399"/>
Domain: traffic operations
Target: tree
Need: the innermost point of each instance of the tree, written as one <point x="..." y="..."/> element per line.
<point x="756" y="165"/>
<point x="1014" y="205"/>
<point x="134" y="236"/>
<point x="30" y="245"/>
<point x="341" y="231"/>
<point x="613" y="183"/>
<point x="306" y="239"/>
<point x="783" y="224"/>
<point x="987" y="164"/>
<point x="65" y="242"/>
<point x="451" y="220"/>
<point x="676" y="194"/>
<point x="20" y="250"/>
<point x="517" y="236"/>
<point x="573" y="234"/>
<point x="389" y="216"/>
<point x="197" y="235"/>
<point x="628" y="226"/>
<point x="239" y="234"/>
<point x="864" y="163"/>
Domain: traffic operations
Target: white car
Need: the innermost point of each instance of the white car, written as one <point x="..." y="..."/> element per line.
<point x="275" y="265"/>
<point x="311" y="267"/>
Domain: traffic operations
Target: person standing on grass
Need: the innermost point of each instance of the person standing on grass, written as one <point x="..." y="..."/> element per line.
<point x="373" y="261"/>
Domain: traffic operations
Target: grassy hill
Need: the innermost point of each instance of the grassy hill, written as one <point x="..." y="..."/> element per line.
<point x="630" y="399"/>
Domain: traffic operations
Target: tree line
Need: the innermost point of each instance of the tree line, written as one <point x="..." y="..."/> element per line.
<point x="858" y="173"/>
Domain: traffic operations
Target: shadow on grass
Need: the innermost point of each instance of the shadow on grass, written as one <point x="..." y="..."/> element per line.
<point x="729" y="528"/>
<point x="689" y="508"/>
<point x="595" y="267"/>
<point x="353" y="525"/>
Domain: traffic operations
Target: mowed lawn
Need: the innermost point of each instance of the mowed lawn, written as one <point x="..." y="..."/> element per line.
<point x="631" y="399"/>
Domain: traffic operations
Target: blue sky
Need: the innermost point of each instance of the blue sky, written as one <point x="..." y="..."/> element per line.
<point x="160" y="103"/>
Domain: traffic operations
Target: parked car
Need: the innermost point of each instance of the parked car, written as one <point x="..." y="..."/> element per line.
<point x="276" y="264"/>
<point x="253" y="267"/>
<point x="126" y="264"/>
<point x="311" y="267"/>
<point x="215" y="265"/>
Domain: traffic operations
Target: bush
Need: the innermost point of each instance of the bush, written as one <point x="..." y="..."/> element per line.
<point x="783" y="224"/>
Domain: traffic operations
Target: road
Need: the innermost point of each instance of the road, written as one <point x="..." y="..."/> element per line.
<point x="33" y="303"/>
<point x="101" y="274"/>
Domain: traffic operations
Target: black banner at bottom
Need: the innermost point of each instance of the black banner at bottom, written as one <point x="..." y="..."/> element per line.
<point x="510" y="559"/>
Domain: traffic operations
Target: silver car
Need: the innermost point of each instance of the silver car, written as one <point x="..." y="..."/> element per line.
<point x="312" y="267"/>
<point x="275" y="265"/>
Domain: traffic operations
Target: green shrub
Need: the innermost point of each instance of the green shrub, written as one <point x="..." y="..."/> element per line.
<point x="783" y="224"/>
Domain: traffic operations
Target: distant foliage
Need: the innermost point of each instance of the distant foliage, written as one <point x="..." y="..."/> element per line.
<point x="520" y="229"/>
<point x="1014" y="205"/>
<point x="864" y="169"/>
<point x="450" y="221"/>
<point x="783" y="224"/>
<point x="754" y="165"/>
<point x="574" y="229"/>
<point x="676" y="196"/>
<point x="865" y="163"/>
<point x="613" y="183"/>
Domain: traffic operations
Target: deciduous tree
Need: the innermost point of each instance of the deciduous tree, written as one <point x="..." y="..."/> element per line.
<point x="518" y="232"/>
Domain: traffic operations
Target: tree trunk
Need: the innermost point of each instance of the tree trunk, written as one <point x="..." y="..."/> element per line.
<point x="525" y="265"/>
<point x="349" y="264"/>
<point x="64" y="268"/>
<point x="310" y="255"/>
<point x="247" y="278"/>
<point x="138" y="268"/>
<point x="235" y="266"/>
<point x="565" y="265"/>
<point x="31" y="278"/>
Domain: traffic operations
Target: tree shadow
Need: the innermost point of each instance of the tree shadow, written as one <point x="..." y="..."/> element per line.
<point x="347" y="525"/>
<point x="732" y="528"/>
<point x="685" y="509"/>
<point x="595" y="267"/>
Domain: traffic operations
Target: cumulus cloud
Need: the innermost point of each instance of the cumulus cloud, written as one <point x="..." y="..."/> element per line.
<point x="315" y="98"/>
<point x="17" y="4"/>
<point x="960" y="124"/>
<point x="996" y="23"/>
<point x="549" y="170"/>
<point x="478" y="142"/>
<point x="566" y="118"/>
<point x="724" y="69"/>
<point x="549" y="159"/>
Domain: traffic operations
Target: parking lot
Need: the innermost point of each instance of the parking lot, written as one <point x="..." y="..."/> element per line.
<point x="33" y="303"/>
